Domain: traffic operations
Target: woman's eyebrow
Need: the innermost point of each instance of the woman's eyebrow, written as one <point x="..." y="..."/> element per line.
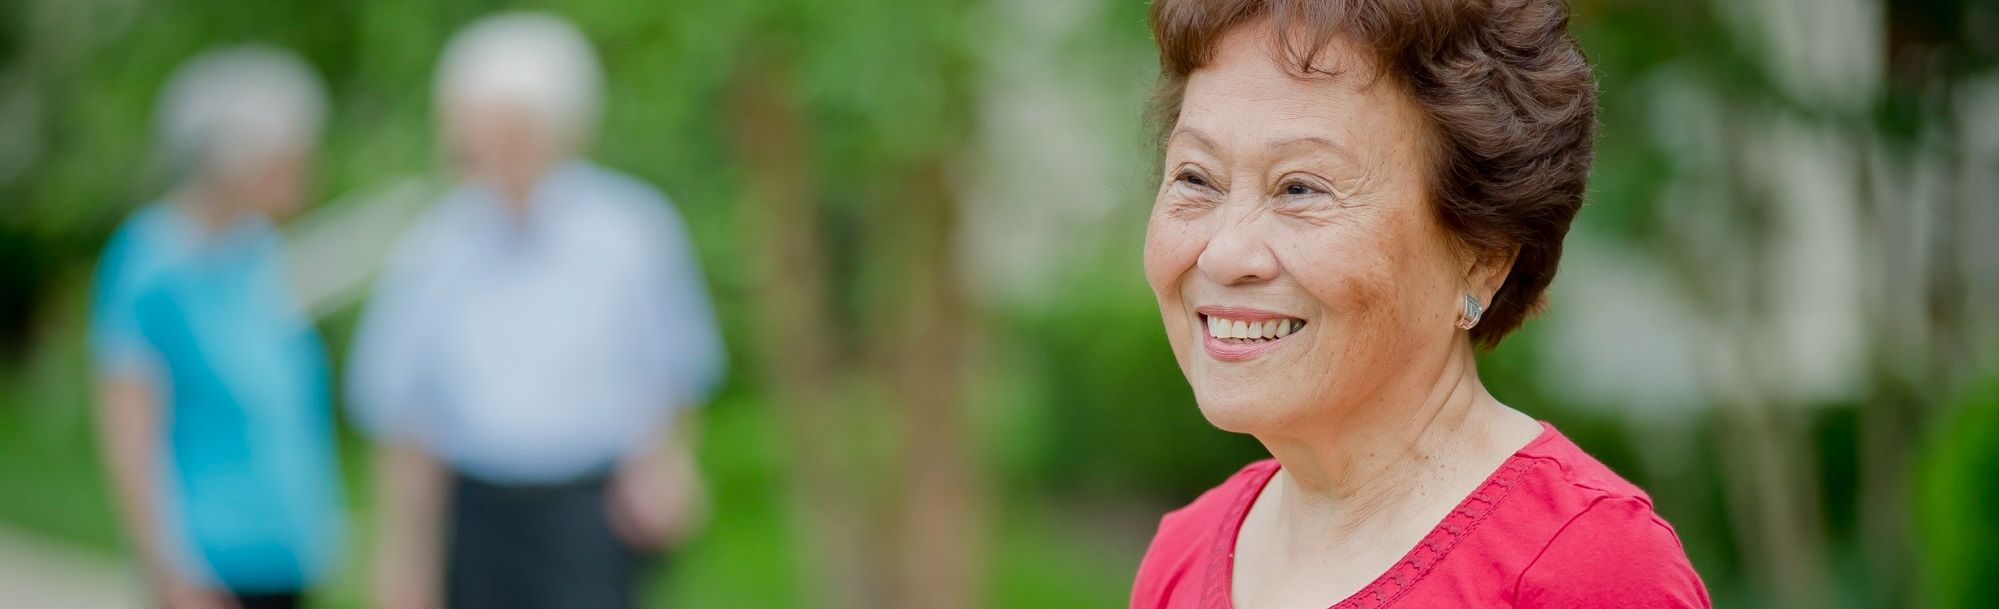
<point x="1336" y="147"/>
<point x="1203" y="140"/>
<point x="1199" y="138"/>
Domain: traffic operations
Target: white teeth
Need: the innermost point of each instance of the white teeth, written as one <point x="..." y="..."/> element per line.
<point x="1262" y="329"/>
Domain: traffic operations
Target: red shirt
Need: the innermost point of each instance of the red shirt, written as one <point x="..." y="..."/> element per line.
<point x="1551" y="527"/>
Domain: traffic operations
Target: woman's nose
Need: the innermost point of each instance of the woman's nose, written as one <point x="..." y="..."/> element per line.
<point x="1239" y="251"/>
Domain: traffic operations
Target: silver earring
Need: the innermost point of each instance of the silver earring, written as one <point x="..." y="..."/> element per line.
<point x="1472" y="311"/>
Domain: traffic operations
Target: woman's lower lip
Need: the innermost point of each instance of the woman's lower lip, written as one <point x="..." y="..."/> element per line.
<point x="1226" y="351"/>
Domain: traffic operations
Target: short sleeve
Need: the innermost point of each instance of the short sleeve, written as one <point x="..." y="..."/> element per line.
<point x="118" y="345"/>
<point x="1616" y="553"/>
<point x="682" y="347"/>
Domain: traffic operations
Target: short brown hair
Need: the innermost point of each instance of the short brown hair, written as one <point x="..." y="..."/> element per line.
<point x="1510" y="100"/>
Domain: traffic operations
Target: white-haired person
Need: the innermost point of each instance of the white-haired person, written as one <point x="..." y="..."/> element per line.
<point x="212" y="393"/>
<point x="529" y="356"/>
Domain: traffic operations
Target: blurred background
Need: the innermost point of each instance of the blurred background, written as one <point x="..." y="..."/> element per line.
<point x="921" y="224"/>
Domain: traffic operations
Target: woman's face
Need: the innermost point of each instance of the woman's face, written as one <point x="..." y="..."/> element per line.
<point x="274" y="184"/>
<point x="1297" y="261"/>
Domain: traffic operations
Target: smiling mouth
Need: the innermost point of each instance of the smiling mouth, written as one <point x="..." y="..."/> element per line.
<point x="1250" y="332"/>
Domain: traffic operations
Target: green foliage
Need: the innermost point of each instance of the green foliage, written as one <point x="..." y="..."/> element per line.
<point x="1956" y="499"/>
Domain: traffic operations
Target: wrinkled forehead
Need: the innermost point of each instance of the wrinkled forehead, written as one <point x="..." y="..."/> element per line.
<point x="1250" y="95"/>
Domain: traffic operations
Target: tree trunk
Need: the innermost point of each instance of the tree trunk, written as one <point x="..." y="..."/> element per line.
<point x="794" y="341"/>
<point x="941" y="517"/>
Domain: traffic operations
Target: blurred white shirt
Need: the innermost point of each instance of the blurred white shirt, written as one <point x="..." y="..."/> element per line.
<point x="537" y="348"/>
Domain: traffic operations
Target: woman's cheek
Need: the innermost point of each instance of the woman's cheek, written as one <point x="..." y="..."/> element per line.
<point x="1346" y="269"/>
<point x="1171" y="248"/>
<point x="1169" y="257"/>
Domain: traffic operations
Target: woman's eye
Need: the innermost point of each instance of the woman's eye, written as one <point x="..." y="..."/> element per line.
<point x="1298" y="186"/>
<point x="1194" y="179"/>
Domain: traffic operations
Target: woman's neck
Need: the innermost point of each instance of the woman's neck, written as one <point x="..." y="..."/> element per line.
<point x="1416" y="441"/>
<point x="211" y="211"/>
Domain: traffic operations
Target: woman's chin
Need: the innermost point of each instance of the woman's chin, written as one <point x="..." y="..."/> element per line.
<point x="1241" y="414"/>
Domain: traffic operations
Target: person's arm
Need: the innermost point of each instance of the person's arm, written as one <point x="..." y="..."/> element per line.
<point x="657" y="495"/>
<point x="411" y="495"/>
<point x="657" y="498"/>
<point x="385" y="373"/>
<point x="132" y="410"/>
<point x="129" y="416"/>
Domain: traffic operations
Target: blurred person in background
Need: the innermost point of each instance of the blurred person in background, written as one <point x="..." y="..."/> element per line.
<point x="1357" y="196"/>
<point x="212" y="383"/>
<point x="529" y="357"/>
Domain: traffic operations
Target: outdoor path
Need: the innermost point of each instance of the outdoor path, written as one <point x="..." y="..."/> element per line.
<point x="39" y="572"/>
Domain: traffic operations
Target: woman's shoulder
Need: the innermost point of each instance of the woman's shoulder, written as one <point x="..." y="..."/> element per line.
<point x="1617" y="548"/>
<point x="1587" y="534"/>
<point x="1575" y="470"/>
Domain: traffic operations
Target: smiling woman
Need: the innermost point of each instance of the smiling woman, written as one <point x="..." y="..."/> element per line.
<point x="1355" y="196"/>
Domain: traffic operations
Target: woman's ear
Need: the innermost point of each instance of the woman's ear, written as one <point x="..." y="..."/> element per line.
<point x="1488" y="272"/>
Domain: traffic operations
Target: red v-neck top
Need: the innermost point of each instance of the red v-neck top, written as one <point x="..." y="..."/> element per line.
<point x="1552" y="527"/>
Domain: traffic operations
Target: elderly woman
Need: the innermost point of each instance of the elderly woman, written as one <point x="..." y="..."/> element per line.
<point x="1357" y="195"/>
<point x="213" y="410"/>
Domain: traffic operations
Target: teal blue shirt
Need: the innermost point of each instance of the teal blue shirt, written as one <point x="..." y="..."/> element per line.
<point x="247" y="473"/>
